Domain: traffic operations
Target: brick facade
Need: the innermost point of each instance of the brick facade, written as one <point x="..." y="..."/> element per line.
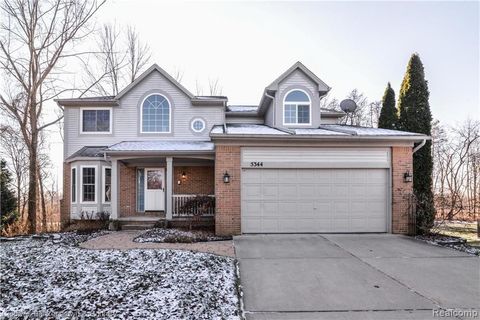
<point x="402" y="161"/>
<point x="227" y="195"/>
<point x="65" y="203"/>
<point x="127" y="190"/>
<point x="198" y="180"/>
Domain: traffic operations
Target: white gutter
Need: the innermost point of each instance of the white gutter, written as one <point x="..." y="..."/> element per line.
<point x="419" y="146"/>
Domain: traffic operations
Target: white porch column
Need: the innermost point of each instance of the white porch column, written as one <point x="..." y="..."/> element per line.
<point x="115" y="198"/>
<point x="169" y="187"/>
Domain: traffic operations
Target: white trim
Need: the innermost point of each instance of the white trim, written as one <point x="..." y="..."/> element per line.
<point x="96" y="132"/>
<point x="81" y="184"/>
<point x="169" y="115"/>
<point x="296" y="104"/>
<point x="103" y="184"/>
<point x="71" y="184"/>
<point x="202" y="121"/>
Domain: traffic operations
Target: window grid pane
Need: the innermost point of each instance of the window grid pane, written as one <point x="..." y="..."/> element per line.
<point x="96" y="121"/>
<point x="88" y="177"/>
<point x="156" y="114"/>
<point x="108" y="185"/>
<point x="303" y="113"/>
<point x="290" y="113"/>
<point x="74" y="185"/>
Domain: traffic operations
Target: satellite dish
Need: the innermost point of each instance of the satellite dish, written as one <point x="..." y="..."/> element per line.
<point x="348" y="105"/>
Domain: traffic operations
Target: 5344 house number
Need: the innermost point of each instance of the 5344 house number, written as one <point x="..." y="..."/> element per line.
<point x="256" y="164"/>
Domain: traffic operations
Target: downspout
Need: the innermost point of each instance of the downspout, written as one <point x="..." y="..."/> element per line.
<point x="419" y="146"/>
<point x="273" y="99"/>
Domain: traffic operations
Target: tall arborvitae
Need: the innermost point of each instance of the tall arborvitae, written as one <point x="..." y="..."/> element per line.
<point x="415" y="116"/>
<point x="388" y="115"/>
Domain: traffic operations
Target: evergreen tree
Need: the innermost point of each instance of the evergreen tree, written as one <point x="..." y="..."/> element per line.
<point x="388" y="115"/>
<point x="415" y="116"/>
<point x="8" y="200"/>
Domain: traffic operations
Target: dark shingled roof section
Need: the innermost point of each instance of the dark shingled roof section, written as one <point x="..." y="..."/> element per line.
<point x="89" y="152"/>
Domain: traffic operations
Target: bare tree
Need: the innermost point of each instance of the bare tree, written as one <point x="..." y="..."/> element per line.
<point x="138" y="53"/>
<point x="178" y="74"/>
<point x="13" y="147"/>
<point x="118" y="61"/>
<point x="214" y="86"/>
<point x="456" y="151"/>
<point x="36" y="37"/>
<point x="198" y="88"/>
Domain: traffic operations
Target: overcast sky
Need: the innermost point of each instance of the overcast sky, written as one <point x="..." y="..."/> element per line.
<point x="362" y="45"/>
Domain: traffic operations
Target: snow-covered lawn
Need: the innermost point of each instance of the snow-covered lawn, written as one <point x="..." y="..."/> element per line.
<point x="43" y="279"/>
<point x="178" y="235"/>
<point x="450" y="242"/>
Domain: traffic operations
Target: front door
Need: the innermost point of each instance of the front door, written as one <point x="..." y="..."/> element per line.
<point x="154" y="189"/>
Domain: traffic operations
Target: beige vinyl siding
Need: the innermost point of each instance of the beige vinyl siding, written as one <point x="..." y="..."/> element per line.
<point x="126" y="118"/>
<point x="239" y="119"/>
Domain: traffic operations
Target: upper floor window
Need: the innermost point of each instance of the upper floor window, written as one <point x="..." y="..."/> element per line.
<point x="296" y="108"/>
<point x="97" y="120"/>
<point x="197" y="125"/>
<point x="156" y="114"/>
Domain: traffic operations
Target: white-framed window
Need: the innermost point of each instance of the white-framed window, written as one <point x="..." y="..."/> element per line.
<point x="107" y="185"/>
<point x="73" y="181"/>
<point x="156" y="114"/>
<point x="96" y="120"/>
<point x="297" y="108"/>
<point x="197" y="125"/>
<point x="89" y="184"/>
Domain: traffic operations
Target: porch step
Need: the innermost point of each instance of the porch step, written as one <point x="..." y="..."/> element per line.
<point x="128" y="227"/>
<point x="138" y="222"/>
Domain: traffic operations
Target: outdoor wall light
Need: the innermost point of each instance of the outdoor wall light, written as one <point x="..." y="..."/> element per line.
<point x="226" y="177"/>
<point x="184" y="175"/>
<point x="407" y="176"/>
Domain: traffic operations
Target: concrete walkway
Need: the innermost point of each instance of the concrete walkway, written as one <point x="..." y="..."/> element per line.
<point x="123" y="240"/>
<point x="379" y="276"/>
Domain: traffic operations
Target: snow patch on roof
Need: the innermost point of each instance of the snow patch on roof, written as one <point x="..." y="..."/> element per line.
<point x="162" y="146"/>
<point x="253" y="129"/>
<point x="319" y="132"/>
<point x="364" y="131"/>
<point x="238" y="108"/>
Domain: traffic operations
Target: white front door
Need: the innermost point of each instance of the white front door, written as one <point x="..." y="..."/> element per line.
<point x="154" y="189"/>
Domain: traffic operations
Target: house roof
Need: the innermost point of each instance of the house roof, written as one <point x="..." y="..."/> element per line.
<point x="98" y="101"/>
<point x="324" y="131"/>
<point x="154" y="67"/>
<point x="322" y="86"/>
<point x="89" y="152"/>
<point x="161" y="146"/>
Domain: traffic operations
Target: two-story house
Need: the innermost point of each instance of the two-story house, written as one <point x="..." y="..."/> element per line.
<point x="155" y="151"/>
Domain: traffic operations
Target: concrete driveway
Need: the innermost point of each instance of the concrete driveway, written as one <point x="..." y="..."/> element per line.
<point x="375" y="276"/>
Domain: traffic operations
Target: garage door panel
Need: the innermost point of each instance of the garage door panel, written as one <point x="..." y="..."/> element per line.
<point x="287" y="191"/>
<point x="314" y="200"/>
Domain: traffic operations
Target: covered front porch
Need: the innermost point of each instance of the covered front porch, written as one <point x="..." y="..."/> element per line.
<point x="173" y="183"/>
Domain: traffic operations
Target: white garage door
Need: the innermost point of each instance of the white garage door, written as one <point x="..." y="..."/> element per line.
<point x="314" y="200"/>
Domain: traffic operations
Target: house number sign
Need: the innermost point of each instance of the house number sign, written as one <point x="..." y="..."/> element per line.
<point x="256" y="164"/>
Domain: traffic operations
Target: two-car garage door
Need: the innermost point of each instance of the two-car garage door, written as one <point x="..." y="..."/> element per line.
<point x="282" y="195"/>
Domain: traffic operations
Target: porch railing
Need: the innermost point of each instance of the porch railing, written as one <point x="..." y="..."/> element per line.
<point x="189" y="205"/>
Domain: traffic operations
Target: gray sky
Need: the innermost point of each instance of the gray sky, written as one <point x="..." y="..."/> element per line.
<point x="362" y="45"/>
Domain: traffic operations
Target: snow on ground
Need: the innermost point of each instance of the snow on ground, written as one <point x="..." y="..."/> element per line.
<point x="450" y="242"/>
<point x="41" y="279"/>
<point x="177" y="235"/>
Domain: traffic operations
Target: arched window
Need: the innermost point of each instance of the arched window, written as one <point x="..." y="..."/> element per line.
<point x="155" y="114"/>
<point x="296" y="107"/>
